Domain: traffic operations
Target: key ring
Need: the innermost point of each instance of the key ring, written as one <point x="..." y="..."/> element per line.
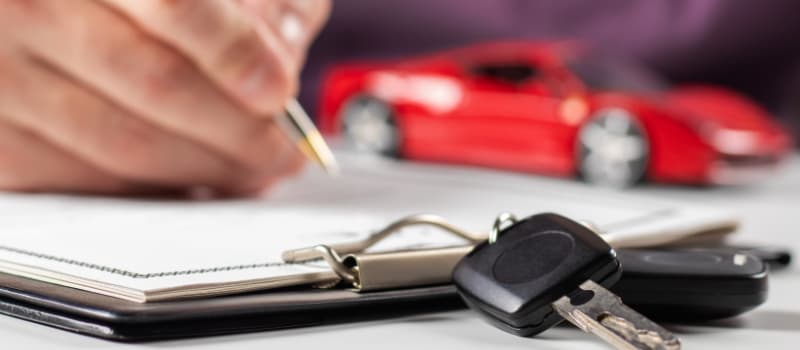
<point x="499" y="225"/>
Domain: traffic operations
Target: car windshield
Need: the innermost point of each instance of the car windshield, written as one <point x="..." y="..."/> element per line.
<point x="615" y="75"/>
<point x="508" y="72"/>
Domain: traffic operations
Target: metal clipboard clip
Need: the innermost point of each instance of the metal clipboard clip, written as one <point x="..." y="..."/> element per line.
<point x="394" y="269"/>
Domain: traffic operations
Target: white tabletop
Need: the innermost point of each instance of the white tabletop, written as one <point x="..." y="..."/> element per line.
<point x="769" y="212"/>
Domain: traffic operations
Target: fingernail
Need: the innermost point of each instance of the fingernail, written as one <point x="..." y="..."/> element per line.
<point x="292" y="29"/>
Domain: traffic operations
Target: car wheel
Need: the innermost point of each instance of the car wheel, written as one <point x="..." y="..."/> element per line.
<point x="368" y="125"/>
<point x="612" y="149"/>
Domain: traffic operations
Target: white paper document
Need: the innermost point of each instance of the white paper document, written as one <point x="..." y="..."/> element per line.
<point x="151" y="250"/>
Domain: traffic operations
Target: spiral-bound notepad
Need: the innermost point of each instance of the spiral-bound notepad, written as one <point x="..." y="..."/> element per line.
<point x="150" y="250"/>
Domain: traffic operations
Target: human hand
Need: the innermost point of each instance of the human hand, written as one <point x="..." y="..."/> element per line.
<point x="127" y="97"/>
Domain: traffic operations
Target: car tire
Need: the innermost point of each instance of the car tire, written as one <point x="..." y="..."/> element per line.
<point x="612" y="149"/>
<point x="369" y="125"/>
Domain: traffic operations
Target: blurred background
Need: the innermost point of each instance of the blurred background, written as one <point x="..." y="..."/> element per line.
<point x="750" y="46"/>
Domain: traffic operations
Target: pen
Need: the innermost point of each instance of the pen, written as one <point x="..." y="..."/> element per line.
<point x="298" y="125"/>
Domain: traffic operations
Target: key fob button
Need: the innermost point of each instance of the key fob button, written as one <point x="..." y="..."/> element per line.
<point x="533" y="257"/>
<point x="666" y="258"/>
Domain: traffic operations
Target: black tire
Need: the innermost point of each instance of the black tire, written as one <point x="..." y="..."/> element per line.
<point x="369" y="125"/>
<point x="613" y="149"/>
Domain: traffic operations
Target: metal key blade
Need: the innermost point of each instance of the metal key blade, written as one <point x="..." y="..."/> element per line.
<point x="598" y="311"/>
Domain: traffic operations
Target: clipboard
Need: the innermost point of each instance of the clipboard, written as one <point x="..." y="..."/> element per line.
<point x="398" y="283"/>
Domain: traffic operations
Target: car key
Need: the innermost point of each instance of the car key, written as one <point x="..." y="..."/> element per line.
<point x="541" y="270"/>
<point x="691" y="284"/>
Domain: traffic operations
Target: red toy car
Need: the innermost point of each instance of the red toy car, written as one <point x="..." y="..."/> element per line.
<point x="548" y="108"/>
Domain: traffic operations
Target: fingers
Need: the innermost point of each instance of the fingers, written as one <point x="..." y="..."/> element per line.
<point x="93" y="129"/>
<point x="29" y="164"/>
<point x="249" y="60"/>
<point x="151" y="81"/>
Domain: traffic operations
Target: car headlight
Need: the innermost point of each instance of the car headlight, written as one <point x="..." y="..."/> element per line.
<point x="730" y="141"/>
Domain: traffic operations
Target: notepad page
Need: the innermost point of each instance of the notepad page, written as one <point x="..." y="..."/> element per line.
<point x="149" y="245"/>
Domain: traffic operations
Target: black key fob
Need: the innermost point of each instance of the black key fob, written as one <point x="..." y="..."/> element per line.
<point x="534" y="262"/>
<point x="691" y="285"/>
